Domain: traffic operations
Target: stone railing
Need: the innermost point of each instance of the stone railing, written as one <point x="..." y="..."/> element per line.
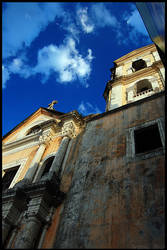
<point x="143" y="92"/>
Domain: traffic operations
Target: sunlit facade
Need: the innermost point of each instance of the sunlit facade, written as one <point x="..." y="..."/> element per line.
<point x="96" y="181"/>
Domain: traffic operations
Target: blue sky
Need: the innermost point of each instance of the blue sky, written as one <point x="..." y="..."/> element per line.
<point x="63" y="51"/>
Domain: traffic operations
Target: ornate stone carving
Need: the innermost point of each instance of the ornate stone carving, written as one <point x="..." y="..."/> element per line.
<point x="45" y="138"/>
<point x="68" y="129"/>
<point x="38" y="207"/>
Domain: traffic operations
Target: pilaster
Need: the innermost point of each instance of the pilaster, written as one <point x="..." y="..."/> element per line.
<point x="42" y="196"/>
<point x="14" y="202"/>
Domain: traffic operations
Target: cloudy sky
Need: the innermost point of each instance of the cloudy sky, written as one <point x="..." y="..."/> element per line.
<point x="63" y="51"/>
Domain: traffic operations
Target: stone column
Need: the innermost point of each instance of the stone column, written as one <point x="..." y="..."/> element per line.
<point x="29" y="234"/>
<point x="14" y="203"/>
<point x="68" y="132"/>
<point x="43" y="142"/>
<point x="35" y="218"/>
<point x="35" y="162"/>
<point x="60" y="155"/>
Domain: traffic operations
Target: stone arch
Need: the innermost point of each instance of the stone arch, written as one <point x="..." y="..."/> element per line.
<point x="139" y="64"/>
<point x="41" y="168"/>
<point x="33" y="130"/>
<point x="45" y="166"/>
<point x="143" y="85"/>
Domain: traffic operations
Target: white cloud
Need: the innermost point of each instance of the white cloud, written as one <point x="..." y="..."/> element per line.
<point x="19" y="67"/>
<point x="86" y="23"/>
<point x="64" y="60"/>
<point x="72" y="29"/>
<point x="102" y="16"/>
<point x="5" y="76"/>
<point x="15" y="66"/>
<point x="87" y="108"/>
<point x="31" y="19"/>
<point x="89" y="56"/>
<point x="98" y="17"/>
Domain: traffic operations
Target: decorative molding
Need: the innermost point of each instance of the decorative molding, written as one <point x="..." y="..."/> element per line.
<point x="38" y="208"/>
<point x="15" y="150"/>
<point x="33" y="139"/>
<point x="68" y="129"/>
<point x="136" y="53"/>
<point x="10" y="165"/>
<point x="46" y="137"/>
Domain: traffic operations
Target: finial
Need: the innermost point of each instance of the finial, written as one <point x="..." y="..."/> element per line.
<point x="50" y="106"/>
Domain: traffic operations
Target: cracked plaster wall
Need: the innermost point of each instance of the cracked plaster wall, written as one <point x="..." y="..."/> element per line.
<point x="112" y="203"/>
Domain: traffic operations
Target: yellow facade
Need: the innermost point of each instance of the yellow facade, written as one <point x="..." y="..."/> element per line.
<point x="122" y="87"/>
<point x="81" y="182"/>
<point x="20" y="147"/>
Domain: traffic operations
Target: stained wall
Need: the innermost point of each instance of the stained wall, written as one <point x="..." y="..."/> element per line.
<point x="111" y="202"/>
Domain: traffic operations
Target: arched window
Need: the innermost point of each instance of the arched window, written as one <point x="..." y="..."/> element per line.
<point x="139" y="64"/>
<point x="143" y="85"/>
<point x="34" y="130"/>
<point x="47" y="164"/>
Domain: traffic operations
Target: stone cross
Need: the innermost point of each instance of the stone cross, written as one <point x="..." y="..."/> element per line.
<point x="50" y="105"/>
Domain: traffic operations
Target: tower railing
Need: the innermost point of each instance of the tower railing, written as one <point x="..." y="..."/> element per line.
<point x="143" y="92"/>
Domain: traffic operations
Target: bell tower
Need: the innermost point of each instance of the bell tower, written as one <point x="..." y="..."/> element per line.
<point x="134" y="76"/>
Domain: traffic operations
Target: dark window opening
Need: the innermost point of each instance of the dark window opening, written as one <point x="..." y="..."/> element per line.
<point x="147" y="139"/>
<point x="34" y="130"/>
<point x="47" y="166"/>
<point x="143" y="89"/>
<point x="8" y="177"/>
<point x="143" y="85"/>
<point x="139" y="64"/>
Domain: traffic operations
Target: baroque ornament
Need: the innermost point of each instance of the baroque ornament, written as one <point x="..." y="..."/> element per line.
<point x="45" y="138"/>
<point x="68" y="129"/>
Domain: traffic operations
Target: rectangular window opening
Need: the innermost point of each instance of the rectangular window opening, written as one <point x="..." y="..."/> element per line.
<point x="147" y="139"/>
<point x="8" y="177"/>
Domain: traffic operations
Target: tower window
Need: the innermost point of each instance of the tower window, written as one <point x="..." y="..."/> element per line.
<point x="147" y="139"/>
<point x="139" y="64"/>
<point x="143" y="85"/>
<point x="8" y="177"/>
<point x="47" y="165"/>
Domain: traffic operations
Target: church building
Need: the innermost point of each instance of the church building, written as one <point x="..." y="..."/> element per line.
<point x="70" y="181"/>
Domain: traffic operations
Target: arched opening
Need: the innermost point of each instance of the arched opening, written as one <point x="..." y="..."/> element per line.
<point x="34" y="130"/>
<point x="47" y="164"/>
<point x="143" y="85"/>
<point x="139" y="64"/>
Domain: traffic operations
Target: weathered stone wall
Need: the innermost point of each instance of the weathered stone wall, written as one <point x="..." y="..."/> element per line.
<point x="113" y="199"/>
<point x="112" y="202"/>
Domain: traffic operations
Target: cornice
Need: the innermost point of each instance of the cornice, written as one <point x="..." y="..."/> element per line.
<point x="154" y="96"/>
<point x="71" y="124"/>
<point x="135" y="53"/>
<point x="21" y="142"/>
<point x="125" y="79"/>
<point x="78" y="119"/>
